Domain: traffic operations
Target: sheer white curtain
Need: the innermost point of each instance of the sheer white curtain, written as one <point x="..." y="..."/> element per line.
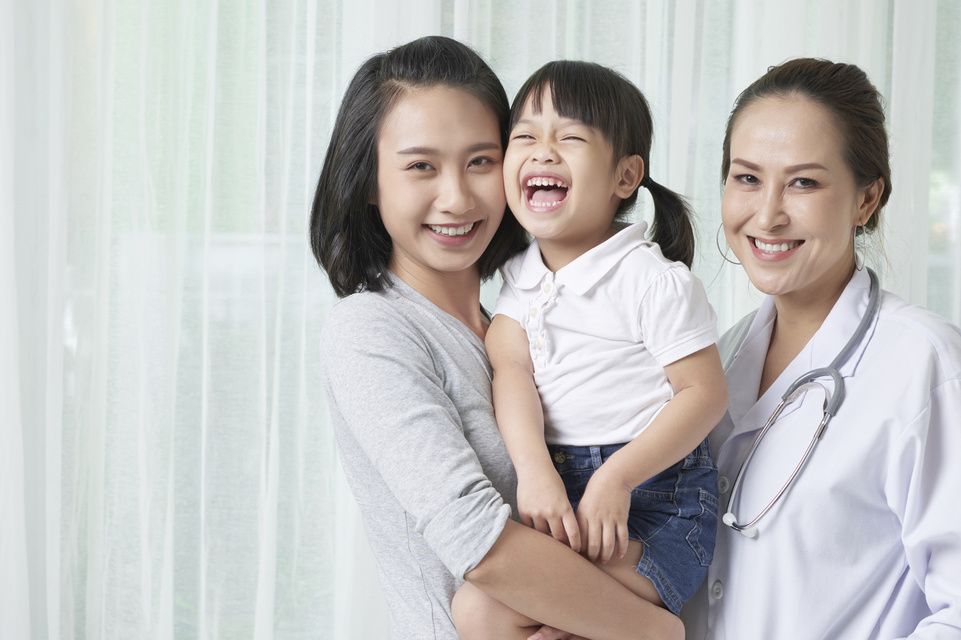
<point x="165" y="466"/>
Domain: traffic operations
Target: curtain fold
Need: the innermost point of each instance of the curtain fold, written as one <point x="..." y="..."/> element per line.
<point x="165" y="465"/>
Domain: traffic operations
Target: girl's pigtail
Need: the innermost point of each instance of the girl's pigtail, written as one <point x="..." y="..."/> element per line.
<point x="672" y="228"/>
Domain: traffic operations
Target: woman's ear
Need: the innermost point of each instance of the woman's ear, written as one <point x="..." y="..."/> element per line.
<point x="628" y="176"/>
<point x="868" y="201"/>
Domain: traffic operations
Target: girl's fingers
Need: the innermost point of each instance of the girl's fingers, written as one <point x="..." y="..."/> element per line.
<point x="607" y="547"/>
<point x="541" y="525"/>
<point x="622" y="539"/>
<point x="558" y="531"/>
<point x="573" y="531"/>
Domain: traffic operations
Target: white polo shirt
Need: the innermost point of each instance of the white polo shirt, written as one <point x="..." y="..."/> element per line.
<point x="601" y="330"/>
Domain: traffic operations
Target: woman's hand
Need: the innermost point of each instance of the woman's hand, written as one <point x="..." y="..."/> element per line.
<point x="602" y="516"/>
<point x="542" y="504"/>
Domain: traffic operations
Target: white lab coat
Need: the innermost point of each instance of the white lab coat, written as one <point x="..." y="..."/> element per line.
<point x="867" y="542"/>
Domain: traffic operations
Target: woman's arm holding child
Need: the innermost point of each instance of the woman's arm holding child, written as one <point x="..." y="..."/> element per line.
<point x="541" y="498"/>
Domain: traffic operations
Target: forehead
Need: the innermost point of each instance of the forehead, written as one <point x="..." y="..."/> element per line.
<point x="790" y="130"/>
<point x="438" y="116"/>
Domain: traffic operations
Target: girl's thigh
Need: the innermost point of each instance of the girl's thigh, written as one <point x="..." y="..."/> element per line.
<point x="624" y="570"/>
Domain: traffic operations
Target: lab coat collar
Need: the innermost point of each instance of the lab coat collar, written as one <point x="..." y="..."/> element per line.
<point x="586" y="270"/>
<point x="748" y="412"/>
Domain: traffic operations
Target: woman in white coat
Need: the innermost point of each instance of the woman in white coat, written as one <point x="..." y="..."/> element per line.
<point x="866" y="541"/>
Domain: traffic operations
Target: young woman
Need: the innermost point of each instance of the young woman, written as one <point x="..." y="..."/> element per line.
<point x="409" y="215"/>
<point x="865" y="541"/>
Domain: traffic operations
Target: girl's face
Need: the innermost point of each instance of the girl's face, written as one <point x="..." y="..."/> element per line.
<point x="791" y="205"/>
<point x="561" y="179"/>
<point x="439" y="187"/>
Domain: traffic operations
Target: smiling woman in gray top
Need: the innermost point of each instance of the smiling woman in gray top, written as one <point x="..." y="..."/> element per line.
<point x="408" y="217"/>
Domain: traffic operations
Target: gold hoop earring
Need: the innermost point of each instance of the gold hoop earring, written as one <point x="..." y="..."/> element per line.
<point x="723" y="252"/>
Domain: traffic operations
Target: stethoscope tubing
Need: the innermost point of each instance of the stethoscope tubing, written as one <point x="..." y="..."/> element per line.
<point x="832" y="403"/>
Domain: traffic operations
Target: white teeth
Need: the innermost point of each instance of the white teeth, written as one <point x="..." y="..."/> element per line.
<point x="543" y="181"/>
<point x="775" y="248"/>
<point x="452" y="231"/>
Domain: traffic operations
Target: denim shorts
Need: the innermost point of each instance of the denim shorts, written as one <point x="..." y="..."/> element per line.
<point x="674" y="514"/>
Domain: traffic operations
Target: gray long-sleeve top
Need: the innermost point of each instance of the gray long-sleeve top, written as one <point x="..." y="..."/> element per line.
<point x="410" y="403"/>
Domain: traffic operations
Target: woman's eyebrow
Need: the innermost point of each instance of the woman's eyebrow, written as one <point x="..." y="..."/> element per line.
<point x="426" y="151"/>
<point x="796" y="167"/>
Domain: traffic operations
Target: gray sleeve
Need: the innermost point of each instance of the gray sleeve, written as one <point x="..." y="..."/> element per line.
<point x="382" y="381"/>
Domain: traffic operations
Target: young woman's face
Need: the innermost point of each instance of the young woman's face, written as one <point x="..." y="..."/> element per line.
<point x="791" y="205"/>
<point x="560" y="178"/>
<point x="439" y="187"/>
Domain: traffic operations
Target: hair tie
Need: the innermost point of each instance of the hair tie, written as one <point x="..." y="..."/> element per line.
<point x="646" y="182"/>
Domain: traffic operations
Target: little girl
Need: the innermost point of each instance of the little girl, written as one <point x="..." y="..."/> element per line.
<point x="606" y="376"/>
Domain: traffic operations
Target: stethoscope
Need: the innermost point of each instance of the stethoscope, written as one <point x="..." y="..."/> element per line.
<point x="832" y="402"/>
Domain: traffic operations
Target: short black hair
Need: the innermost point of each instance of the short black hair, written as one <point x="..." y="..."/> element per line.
<point x="347" y="235"/>
<point x="604" y="99"/>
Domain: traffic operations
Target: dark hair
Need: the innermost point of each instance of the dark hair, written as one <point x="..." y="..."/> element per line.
<point x="845" y="91"/>
<point x="347" y="235"/>
<point x="604" y="99"/>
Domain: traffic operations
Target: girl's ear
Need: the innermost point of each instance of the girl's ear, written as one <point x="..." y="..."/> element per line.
<point x="628" y="176"/>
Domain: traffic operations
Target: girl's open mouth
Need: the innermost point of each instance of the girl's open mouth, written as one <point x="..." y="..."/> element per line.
<point x="544" y="193"/>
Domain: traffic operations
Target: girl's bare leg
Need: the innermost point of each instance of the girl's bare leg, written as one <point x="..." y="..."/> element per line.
<point x="625" y="571"/>
<point x="477" y="616"/>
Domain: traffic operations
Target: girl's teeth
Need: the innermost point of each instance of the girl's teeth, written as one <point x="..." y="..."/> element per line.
<point x="546" y="182"/>
<point x="452" y="231"/>
<point x="775" y="248"/>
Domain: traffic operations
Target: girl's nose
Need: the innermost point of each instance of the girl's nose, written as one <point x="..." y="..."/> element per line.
<point x="545" y="153"/>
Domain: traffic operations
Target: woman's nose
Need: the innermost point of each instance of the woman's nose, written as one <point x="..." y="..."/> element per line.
<point x="770" y="208"/>
<point x="455" y="196"/>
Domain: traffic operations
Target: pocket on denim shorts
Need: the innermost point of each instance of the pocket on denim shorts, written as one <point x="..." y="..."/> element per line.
<point x="703" y="532"/>
<point x="700" y="458"/>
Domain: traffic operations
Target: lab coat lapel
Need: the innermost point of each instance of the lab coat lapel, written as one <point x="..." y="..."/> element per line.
<point x="749" y="413"/>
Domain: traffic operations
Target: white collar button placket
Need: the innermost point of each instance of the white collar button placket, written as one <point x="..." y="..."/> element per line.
<point x="534" y="321"/>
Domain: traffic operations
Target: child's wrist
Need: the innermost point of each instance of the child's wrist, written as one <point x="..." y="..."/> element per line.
<point x="614" y="476"/>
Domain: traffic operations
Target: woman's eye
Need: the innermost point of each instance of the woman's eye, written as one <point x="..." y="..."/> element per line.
<point x="420" y="166"/>
<point x="481" y="161"/>
<point x="805" y="183"/>
<point x="746" y="178"/>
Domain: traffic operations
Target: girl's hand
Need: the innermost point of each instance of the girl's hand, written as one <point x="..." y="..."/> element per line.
<point x="542" y="504"/>
<point x="602" y="516"/>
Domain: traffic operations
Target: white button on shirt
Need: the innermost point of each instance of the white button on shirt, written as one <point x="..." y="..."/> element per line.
<point x="601" y="330"/>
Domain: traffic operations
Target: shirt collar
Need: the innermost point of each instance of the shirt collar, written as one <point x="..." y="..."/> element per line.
<point x="586" y="270"/>
<point x="744" y="374"/>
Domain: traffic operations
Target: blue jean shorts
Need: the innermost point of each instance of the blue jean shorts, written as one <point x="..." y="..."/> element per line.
<point x="674" y="514"/>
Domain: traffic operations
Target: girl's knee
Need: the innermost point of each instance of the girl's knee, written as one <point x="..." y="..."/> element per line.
<point x="477" y="616"/>
<point x="469" y="608"/>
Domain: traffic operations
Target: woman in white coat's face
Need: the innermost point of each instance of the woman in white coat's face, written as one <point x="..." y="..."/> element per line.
<point x="791" y="205"/>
